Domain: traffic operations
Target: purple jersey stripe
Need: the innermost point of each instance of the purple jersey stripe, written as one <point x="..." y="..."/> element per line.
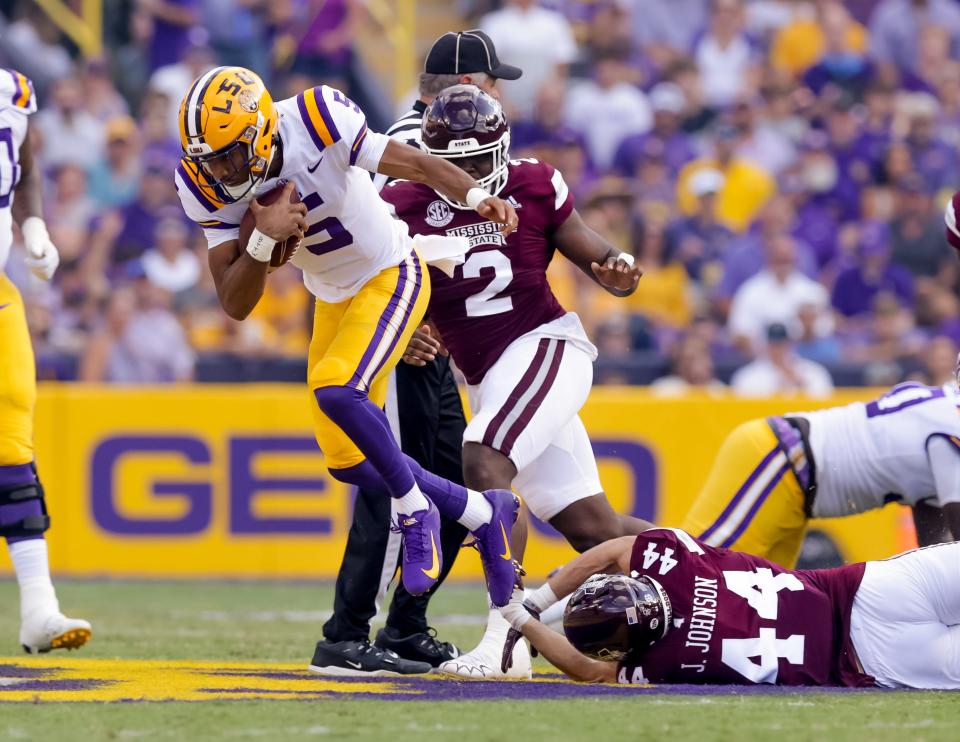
<point x="761" y="467"/>
<point x="357" y="144"/>
<point x="325" y="114"/>
<point x="218" y="225"/>
<point x="10" y="476"/>
<point x="534" y="404"/>
<point x="16" y="87"/>
<point x="518" y="391"/>
<point x="405" y="320"/>
<point x="748" y="519"/>
<point x="383" y="325"/>
<point x="203" y="198"/>
<point x="318" y="142"/>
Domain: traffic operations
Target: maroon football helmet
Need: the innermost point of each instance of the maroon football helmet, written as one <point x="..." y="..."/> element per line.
<point x="611" y="616"/>
<point x="463" y="121"/>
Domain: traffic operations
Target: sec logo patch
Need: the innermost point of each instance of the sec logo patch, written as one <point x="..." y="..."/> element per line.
<point x="439" y="214"/>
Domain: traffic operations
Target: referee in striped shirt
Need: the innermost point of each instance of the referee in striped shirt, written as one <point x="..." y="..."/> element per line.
<point x="424" y="409"/>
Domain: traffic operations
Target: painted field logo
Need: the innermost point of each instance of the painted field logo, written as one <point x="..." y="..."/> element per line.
<point x="77" y="681"/>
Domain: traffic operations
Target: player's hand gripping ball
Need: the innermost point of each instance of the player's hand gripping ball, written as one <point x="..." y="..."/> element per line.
<point x="289" y="222"/>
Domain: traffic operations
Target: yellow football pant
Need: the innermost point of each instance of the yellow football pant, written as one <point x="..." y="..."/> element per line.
<point x="358" y="342"/>
<point x="18" y="379"/>
<point x="751" y="500"/>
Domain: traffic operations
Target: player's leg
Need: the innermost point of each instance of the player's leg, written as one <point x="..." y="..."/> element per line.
<point x="530" y="393"/>
<point x="544" y="441"/>
<point x="348" y="371"/>
<point x="369" y="564"/>
<point x="751" y="500"/>
<point x="23" y="515"/>
<point x="429" y="416"/>
<point x="905" y="620"/>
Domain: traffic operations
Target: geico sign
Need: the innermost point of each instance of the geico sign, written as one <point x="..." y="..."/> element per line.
<point x="195" y="493"/>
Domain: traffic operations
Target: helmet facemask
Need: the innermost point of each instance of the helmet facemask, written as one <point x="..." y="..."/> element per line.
<point x="499" y="151"/>
<point x="234" y="172"/>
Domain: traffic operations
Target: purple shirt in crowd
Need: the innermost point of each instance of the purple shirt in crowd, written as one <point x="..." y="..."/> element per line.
<point x="853" y="293"/>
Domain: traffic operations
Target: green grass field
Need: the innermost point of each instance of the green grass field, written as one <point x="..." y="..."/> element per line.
<point x="278" y="623"/>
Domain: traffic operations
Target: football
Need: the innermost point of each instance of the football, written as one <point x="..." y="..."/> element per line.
<point x="282" y="251"/>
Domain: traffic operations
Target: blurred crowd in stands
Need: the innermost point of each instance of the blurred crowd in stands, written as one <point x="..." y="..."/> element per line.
<point x="778" y="167"/>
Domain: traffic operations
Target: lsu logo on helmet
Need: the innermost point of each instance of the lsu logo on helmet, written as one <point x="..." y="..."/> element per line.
<point x="228" y="126"/>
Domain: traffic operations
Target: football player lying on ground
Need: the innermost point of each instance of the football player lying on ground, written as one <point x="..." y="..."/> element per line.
<point x="680" y="611"/>
<point x="772" y="475"/>
<point x="527" y="361"/>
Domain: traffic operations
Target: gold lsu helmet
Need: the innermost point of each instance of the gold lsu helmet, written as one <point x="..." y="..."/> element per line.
<point x="228" y="127"/>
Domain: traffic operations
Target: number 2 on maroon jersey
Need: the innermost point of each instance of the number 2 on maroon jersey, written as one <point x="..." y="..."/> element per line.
<point x="485" y="302"/>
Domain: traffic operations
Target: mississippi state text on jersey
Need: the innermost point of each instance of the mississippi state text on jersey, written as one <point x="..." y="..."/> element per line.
<point x="351" y="236"/>
<point x="868" y="454"/>
<point x="742" y="619"/>
<point x="501" y="291"/>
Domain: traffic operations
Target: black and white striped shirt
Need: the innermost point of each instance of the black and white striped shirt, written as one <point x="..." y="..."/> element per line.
<point x="405" y="129"/>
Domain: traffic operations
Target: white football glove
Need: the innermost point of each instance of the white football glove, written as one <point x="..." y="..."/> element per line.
<point x="42" y="255"/>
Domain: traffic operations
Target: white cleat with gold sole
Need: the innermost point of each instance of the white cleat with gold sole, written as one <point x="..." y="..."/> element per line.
<point x="53" y="631"/>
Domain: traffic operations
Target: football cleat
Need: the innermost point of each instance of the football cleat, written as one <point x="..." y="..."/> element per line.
<point x="483" y="662"/>
<point x="43" y="633"/>
<point x="422" y="560"/>
<point x="420" y="647"/>
<point x="361" y="658"/>
<point x="493" y="543"/>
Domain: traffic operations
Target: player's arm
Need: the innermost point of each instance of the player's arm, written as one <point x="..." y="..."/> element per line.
<point x="944" y="456"/>
<point x="404" y="162"/>
<point x="610" y="556"/>
<point x="561" y="653"/>
<point x="240" y="272"/>
<point x="27" y="211"/>
<point x="612" y="269"/>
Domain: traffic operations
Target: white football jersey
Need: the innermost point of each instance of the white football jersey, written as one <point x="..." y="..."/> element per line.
<point x="351" y="236"/>
<point x="17" y="101"/>
<point x="868" y="454"/>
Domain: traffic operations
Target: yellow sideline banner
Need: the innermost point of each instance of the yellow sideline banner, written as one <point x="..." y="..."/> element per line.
<point x="227" y="481"/>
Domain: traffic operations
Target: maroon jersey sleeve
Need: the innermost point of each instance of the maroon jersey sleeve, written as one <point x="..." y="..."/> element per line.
<point x="950" y="220"/>
<point x="501" y="291"/>
<point x="740" y="619"/>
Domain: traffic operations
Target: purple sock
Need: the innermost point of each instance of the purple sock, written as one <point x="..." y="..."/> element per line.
<point x="450" y="498"/>
<point x="367" y="426"/>
<point x="15" y="512"/>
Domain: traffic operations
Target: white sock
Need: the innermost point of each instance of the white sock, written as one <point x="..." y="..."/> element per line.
<point x="411" y="502"/>
<point x="31" y="564"/>
<point x="477" y="512"/>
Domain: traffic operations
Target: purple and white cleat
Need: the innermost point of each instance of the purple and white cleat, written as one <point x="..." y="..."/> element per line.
<point x="493" y="543"/>
<point x="422" y="558"/>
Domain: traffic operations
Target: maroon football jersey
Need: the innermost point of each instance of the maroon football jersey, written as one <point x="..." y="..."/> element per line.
<point x="741" y="619"/>
<point x="501" y="291"/>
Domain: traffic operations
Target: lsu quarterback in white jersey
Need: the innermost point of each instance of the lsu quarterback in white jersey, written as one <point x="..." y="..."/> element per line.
<point x="23" y="511"/>
<point x="371" y="285"/>
<point x="772" y="475"/>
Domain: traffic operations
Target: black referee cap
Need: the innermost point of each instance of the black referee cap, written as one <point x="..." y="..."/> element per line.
<point x="463" y="52"/>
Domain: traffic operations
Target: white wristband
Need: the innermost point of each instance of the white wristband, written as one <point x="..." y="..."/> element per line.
<point x="34" y="231"/>
<point x="475" y="196"/>
<point x="260" y="246"/>
<point x="541" y="598"/>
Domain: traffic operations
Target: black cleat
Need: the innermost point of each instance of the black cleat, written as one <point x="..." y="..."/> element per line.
<point x="421" y="647"/>
<point x="361" y="658"/>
